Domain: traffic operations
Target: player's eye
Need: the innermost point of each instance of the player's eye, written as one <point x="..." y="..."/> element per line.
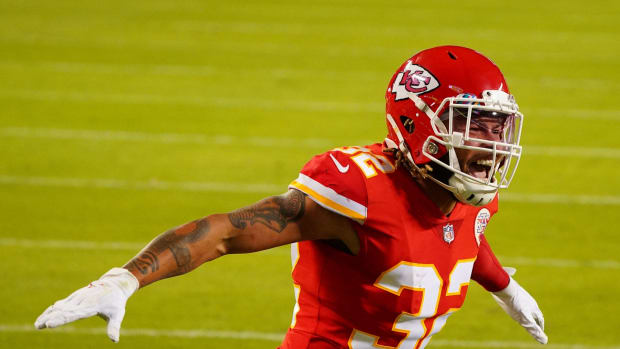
<point x="477" y="126"/>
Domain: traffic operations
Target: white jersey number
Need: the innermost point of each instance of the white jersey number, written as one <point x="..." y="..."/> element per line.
<point x="368" y="162"/>
<point x="418" y="278"/>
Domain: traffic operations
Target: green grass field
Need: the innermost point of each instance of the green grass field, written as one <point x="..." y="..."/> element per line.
<point x="119" y="120"/>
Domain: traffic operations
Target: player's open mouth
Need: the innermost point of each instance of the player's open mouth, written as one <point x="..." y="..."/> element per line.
<point x="479" y="168"/>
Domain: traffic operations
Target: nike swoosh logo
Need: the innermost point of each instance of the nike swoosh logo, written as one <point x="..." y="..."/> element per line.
<point x="342" y="169"/>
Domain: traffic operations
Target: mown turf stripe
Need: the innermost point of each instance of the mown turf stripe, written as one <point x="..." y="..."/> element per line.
<point x="276" y="337"/>
<point x="135" y="246"/>
<point x="313" y="143"/>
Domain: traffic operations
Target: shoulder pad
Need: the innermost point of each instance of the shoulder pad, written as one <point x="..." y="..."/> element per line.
<point x="335" y="182"/>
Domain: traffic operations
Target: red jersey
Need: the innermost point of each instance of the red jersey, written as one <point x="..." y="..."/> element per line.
<point x="413" y="268"/>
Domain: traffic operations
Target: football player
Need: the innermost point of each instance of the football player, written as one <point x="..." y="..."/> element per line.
<point x="384" y="238"/>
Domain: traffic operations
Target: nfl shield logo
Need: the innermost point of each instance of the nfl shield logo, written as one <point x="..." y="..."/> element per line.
<point x="448" y="233"/>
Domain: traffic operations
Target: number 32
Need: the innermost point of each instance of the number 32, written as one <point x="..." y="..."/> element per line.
<point x="421" y="278"/>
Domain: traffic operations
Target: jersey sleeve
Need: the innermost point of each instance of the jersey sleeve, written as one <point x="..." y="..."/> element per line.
<point x="332" y="181"/>
<point x="488" y="272"/>
<point x="493" y="206"/>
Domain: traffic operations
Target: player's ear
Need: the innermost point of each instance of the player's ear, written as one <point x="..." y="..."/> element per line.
<point x="407" y="123"/>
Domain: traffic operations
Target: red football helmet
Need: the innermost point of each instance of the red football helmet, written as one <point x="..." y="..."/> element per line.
<point x="437" y="104"/>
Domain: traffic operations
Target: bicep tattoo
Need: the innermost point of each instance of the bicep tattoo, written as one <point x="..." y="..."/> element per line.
<point x="275" y="213"/>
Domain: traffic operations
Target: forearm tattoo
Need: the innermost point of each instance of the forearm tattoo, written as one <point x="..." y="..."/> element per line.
<point x="275" y="213"/>
<point x="176" y="240"/>
<point x="145" y="261"/>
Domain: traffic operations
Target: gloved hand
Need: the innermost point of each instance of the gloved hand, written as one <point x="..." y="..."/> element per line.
<point x="105" y="297"/>
<point x="515" y="301"/>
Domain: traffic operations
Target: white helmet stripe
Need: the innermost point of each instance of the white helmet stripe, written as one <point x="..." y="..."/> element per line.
<point x="395" y="128"/>
<point x="420" y="104"/>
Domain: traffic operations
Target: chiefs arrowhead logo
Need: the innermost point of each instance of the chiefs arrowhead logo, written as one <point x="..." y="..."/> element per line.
<point x="414" y="79"/>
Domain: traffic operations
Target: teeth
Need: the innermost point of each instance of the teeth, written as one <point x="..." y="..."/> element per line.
<point x="487" y="163"/>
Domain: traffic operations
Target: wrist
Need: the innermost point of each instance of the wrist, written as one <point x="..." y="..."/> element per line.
<point x="509" y="291"/>
<point x="123" y="279"/>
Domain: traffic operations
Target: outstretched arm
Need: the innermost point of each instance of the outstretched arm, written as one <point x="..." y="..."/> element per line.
<point x="274" y="221"/>
<point x="263" y="225"/>
<point x="271" y="222"/>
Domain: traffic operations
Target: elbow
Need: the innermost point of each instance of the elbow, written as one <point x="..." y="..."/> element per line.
<point x="222" y="249"/>
<point x="230" y="239"/>
<point x="223" y="243"/>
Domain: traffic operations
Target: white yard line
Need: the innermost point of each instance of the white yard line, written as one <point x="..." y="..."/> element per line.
<point x="512" y="344"/>
<point x="263" y="104"/>
<point x="99" y="245"/>
<point x="220" y="139"/>
<point x="73" y="244"/>
<point x="275" y="337"/>
<point x="202" y="101"/>
<point x="270" y="104"/>
<point x="185" y="70"/>
<point x="187" y="138"/>
<point x="589" y="200"/>
<point x="560" y="263"/>
<point x="274" y="72"/>
<point x="572" y="152"/>
<point x="148" y="332"/>
<point x="144" y="185"/>
<point x="292" y="49"/>
<point x="136" y="246"/>
<point x="574" y="113"/>
<point x="265" y="188"/>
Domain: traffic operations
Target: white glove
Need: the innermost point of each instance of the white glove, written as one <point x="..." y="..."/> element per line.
<point x="523" y="309"/>
<point x="105" y="297"/>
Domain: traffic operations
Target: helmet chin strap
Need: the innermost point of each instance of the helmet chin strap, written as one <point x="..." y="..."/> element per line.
<point x="464" y="190"/>
<point x="471" y="193"/>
